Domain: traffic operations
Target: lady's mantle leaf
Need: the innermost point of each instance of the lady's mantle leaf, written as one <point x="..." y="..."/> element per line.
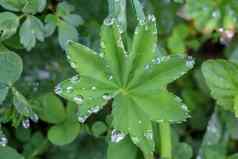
<point x="133" y="78"/>
<point x="222" y="79"/>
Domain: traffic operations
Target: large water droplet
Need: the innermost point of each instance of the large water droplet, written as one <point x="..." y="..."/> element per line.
<point x="26" y="123"/>
<point x="34" y="117"/>
<point x="94" y="109"/>
<point x="58" y="89"/>
<point x="69" y="89"/>
<point x="82" y="119"/>
<point x="107" y="96"/>
<point x="94" y="88"/>
<point x="78" y="99"/>
<point x="117" y="136"/>
<point x="149" y="134"/>
<point x="190" y="62"/>
<point x="109" y="21"/>
<point x="3" y="139"/>
<point x="151" y="18"/>
<point x="75" y="79"/>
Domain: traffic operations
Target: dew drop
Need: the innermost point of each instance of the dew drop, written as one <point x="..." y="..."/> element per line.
<point x="3" y="140"/>
<point x="73" y="65"/>
<point x="74" y="79"/>
<point x="151" y="18"/>
<point x="190" y="62"/>
<point x="93" y="88"/>
<point x="149" y="134"/>
<point x="94" y="109"/>
<point x="78" y="99"/>
<point x="82" y="119"/>
<point x="110" y="78"/>
<point x="107" y="96"/>
<point x="69" y="89"/>
<point x="140" y="122"/>
<point x="109" y="21"/>
<point x="147" y="66"/>
<point x="58" y="89"/>
<point x="26" y="123"/>
<point x="117" y="136"/>
<point x="34" y="117"/>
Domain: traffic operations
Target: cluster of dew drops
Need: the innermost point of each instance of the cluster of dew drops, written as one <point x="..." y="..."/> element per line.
<point x="79" y="99"/>
<point x="25" y="124"/>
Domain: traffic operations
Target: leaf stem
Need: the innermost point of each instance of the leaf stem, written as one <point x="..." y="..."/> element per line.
<point x="166" y="142"/>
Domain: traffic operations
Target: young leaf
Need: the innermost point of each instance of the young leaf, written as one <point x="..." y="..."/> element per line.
<point x="125" y="148"/>
<point x="31" y="30"/>
<point x="10" y="67"/>
<point x="9" y="23"/>
<point x="64" y="133"/>
<point x="221" y="78"/>
<point x="50" y="108"/>
<point x="67" y="32"/>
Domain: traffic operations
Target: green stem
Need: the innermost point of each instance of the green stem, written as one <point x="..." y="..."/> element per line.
<point x="166" y="142"/>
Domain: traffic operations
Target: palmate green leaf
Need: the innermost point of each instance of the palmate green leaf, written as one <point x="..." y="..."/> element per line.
<point x="222" y="79"/>
<point x="10" y="153"/>
<point x="9" y="23"/>
<point x="138" y="91"/>
<point x="30" y="31"/>
<point x="125" y="148"/>
<point x="10" y="67"/>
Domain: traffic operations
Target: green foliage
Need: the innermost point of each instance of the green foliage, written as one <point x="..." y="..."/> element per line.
<point x="221" y="79"/>
<point x="126" y="76"/>
<point x="211" y="15"/>
<point x="125" y="97"/>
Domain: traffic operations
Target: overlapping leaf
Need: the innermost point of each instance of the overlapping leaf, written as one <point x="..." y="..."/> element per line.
<point x="134" y="78"/>
<point x="211" y="15"/>
<point x="221" y="77"/>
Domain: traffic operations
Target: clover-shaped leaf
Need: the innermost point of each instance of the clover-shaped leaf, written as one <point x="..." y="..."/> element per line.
<point x="221" y="78"/>
<point x="135" y="78"/>
<point x="31" y="30"/>
<point x="26" y="6"/>
<point x="211" y="15"/>
<point x="66" y="23"/>
<point x="9" y="23"/>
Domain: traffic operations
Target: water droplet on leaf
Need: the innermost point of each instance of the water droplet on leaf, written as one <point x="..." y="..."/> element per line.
<point x="117" y="136"/>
